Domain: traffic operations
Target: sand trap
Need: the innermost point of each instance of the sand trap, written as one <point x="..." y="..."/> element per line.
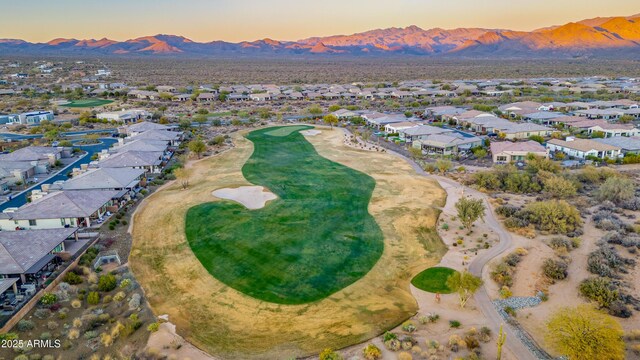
<point x="310" y="132"/>
<point x="252" y="197"/>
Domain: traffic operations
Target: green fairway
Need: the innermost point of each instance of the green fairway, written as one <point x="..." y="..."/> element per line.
<point x="84" y="103"/>
<point x="315" y="239"/>
<point x="433" y="280"/>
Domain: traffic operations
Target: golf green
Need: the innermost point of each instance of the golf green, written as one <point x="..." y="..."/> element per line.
<point x="315" y="239"/>
<point x="433" y="280"/>
<point x="85" y="103"/>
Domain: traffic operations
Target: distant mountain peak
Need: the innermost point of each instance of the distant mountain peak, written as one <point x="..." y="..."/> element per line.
<point x="603" y="36"/>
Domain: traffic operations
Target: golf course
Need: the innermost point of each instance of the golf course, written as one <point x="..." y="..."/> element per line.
<point x="315" y="239"/>
<point x="87" y="103"/>
<point x="289" y="243"/>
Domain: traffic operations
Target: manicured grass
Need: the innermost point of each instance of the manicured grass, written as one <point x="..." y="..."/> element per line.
<point x="84" y="103"/>
<point x="315" y="239"/>
<point x="433" y="280"/>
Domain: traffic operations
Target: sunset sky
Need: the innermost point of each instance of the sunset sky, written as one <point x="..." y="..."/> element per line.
<point x="237" y="20"/>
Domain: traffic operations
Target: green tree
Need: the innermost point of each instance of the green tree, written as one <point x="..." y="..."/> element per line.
<point x="583" y="333"/>
<point x="197" y="146"/>
<point x="331" y="120"/>
<point x="469" y="210"/>
<point x="333" y="108"/>
<point x="182" y="176"/>
<point x="557" y="187"/>
<point x="625" y="119"/>
<point x="185" y="124"/>
<point x="465" y="284"/>
<point x="537" y="138"/>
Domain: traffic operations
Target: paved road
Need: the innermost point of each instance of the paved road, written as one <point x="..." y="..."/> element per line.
<point x="483" y="302"/>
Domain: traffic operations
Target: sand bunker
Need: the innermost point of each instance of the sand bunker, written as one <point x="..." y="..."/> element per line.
<point x="310" y="132"/>
<point x="252" y="197"/>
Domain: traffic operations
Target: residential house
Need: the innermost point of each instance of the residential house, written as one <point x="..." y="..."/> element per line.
<point x="42" y="158"/>
<point x="450" y="143"/>
<point x="614" y="130"/>
<point x="397" y="127"/>
<point x="125" y="116"/>
<point x="628" y="145"/>
<point x="506" y="151"/>
<point x="60" y="209"/>
<point x="421" y="132"/>
<point x="150" y="162"/>
<point x="583" y="148"/>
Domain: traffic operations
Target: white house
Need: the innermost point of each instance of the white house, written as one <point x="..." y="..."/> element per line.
<point x="582" y="148"/>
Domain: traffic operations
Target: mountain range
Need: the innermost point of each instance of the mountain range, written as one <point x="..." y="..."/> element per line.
<point x="610" y="37"/>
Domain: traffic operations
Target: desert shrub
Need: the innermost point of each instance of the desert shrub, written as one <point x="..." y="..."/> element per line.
<point x="72" y="278"/>
<point x="515" y="222"/>
<point x="107" y="282"/>
<point x="93" y="298"/>
<point x="42" y="313"/>
<point x="433" y="317"/>
<point x="393" y="344"/>
<point x="76" y="304"/>
<point x="486" y="180"/>
<point x="454" y="324"/>
<point x="73" y="334"/>
<point x="52" y="325"/>
<point x="502" y="274"/>
<point x="153" y="327"/>
<point x="521" y="183"/>
<point x="371" y="352"/>
<point x="76" y="323"/>
<point x="599" y="289"/>
<point x="48" y="299"/>
<point x="619" y="309"/>
<point x="132" y="324"/>
<point x="512" y="259"/>
<point x="616" y="189"/>
<point x="554" y="216"/>
<point x="389" y="336"/>
<point x="91" y="334"/>
<point x="507" y="210"/>
<point x="134" y="302"/>
<point x="631" y="204"/>
<point x="92" y="278"/>
<point x="125" y="283"/>
<point x="605" y="261"/>
<point x="107" y="299"/>
<point x="405" y="356"/>
<point x="25" y="325"/>
<point x="555" y="269"/>
<point x="485" y="334"/>
<point x="454" y="342"/>
<point x="106" y="339"/>
<point x="119" y="296"/>
<point x="409" y="326"/>
<point x="45" y="335"/>
<point x="559" y="243"/>
<point x="607" y="221"/>
<point x="505" y="292"/>
<point x="558" y="187"/>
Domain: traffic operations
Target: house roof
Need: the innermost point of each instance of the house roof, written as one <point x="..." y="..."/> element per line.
<point x="608" y="126"/>
<point x="104" y="178"/>
<point x="631" y="143"/>
<point x="146" y="126"/>
<point x="425" y="130"/>
<point x="583" y="145"/>
<point x="20" y="250"/>
<point x="141" y="145"/>
<point x="157" y="135"/>
<point x="64" y="204"/>
<point x="520" y="146"/>
<point x="132" y="159"/>
<point x="31" y="153"/>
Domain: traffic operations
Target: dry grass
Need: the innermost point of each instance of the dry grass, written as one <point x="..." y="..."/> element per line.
<point x="228" y="323"/>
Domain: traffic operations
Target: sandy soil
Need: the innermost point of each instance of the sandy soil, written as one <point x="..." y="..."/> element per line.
<point x="310" y="132"/>
<point x="229" y="324"/>
<point x="166" y="342"/>
<point x="252" y="197"/>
